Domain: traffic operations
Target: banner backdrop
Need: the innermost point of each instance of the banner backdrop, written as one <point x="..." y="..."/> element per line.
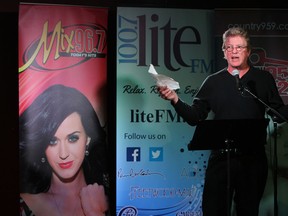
<point x="63" y="45"/>
<point x="156" y="174"/>
<point x="269" y="39"/>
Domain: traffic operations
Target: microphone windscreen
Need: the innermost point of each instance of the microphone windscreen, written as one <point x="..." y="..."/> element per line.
<point x="235" y="72"/>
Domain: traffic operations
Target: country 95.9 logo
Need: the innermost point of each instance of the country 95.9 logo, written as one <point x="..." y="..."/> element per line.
<point x="277" y="67"/>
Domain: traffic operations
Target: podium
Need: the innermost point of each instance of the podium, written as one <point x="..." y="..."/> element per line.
<point x="242" y="134"/>
<point x="229" y="135"/>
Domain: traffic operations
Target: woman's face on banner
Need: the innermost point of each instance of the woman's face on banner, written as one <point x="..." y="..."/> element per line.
<point x="66" y="150"/>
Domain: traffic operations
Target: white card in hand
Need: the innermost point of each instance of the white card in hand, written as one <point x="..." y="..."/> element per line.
<point x="162" y="80"/>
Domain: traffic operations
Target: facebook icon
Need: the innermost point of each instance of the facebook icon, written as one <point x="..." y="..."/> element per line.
<point x="133" y="154"/>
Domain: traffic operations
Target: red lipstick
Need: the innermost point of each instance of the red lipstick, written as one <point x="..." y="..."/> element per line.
<point x="66" y="165"/>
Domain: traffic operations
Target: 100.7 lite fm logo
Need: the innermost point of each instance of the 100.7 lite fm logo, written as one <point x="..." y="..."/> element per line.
<point x="133" y="39"/>
<point x="72" y="44"/>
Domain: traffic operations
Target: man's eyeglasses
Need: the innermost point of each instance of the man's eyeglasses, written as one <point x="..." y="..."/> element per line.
<point x="239" y="48"/>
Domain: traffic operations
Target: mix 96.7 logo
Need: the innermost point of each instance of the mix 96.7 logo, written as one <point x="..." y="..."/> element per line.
<point x="80" y="42"/>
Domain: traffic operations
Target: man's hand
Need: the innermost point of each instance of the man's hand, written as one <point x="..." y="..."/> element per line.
<point x="168" y="94"/>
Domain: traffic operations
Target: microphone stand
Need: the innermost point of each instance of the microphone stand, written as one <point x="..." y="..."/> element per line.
<point x="275" y="164"/>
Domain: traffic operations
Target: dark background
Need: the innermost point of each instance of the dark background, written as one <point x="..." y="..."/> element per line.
<point x="9" y="79"/>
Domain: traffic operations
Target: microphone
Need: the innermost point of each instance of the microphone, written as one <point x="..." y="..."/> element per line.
<point x="239" y="86"/>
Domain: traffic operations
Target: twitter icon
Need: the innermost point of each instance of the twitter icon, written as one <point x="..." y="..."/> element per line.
<point x="156" y="154"/>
